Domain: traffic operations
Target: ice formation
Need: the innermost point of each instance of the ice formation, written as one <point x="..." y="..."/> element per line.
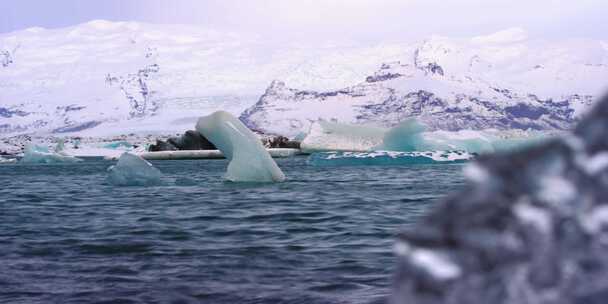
<point x="530" y="227"/>
<point x="331" y="136"/>
<point x="41" y="155"/>
<point x="409" y="136"/>
<point x="132" y="170"/>
<point x="7" y="160"/>
<point x="387" y="158"/>
<point x="249" y="160"/>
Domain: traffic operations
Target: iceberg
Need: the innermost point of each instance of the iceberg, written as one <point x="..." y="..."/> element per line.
<point x="249" y="160"/>
<point x="41" y="155"/>
<point x="387" y="158"/>
<point x="410" y="136"/>
<point x="332" y="136"/>
<point x="132" y="170"/>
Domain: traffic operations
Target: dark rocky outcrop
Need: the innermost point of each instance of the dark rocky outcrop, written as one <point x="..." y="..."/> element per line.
<point x="280" y="142"/>
<point x="191" y="140"/>
<point x="531" y="227"/>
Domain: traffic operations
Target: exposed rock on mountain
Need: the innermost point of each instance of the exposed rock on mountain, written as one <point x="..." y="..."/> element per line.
<point x="530" y="228"/>
<point x="450" y="85"/>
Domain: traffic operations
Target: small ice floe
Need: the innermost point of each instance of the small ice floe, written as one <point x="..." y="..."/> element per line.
<point x="41" y="155"/>
<point x="596" y="164"/>
<point x="387" y="158"/>
<point x="132" y="170"/>
<point x="7" y="160"/>
<point x="249" y="160"/>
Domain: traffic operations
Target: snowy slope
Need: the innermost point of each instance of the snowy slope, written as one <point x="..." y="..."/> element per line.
<point x="106" y="77"/>
<point x="502" y="81"/>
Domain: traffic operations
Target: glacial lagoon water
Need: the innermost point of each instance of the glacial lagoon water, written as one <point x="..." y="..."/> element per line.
<point x="323" y="236"/>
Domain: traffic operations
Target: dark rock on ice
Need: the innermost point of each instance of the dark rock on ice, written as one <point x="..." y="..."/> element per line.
<point x="191" y="140"/>
<point x="531" y="227"/>
<point x="161" y="146"/>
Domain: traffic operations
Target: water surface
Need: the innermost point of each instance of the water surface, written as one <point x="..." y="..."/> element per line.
<point x="324" y="236"/>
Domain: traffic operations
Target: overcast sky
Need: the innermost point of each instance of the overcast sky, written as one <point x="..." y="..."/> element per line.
<point x="357" y="20"/>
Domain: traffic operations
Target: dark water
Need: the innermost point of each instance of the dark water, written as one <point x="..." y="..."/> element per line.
<point x="325" y="236"/>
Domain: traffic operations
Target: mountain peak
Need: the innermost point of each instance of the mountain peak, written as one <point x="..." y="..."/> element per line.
<point x="511" y="35"/>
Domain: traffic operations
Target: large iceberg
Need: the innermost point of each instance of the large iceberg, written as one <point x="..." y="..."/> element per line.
<point x="410" y="136"/>
<point x="249" y="160"/>
<point x="132" y="170"/>
<point x="7" y="160"/>
<point x="42" y="155"/>
<point x="332" y="136"/>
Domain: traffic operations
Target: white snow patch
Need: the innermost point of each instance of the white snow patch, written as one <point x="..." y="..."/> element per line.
<point x="596" y="219"/>
<point x="476" y="173"/>
<point x="249" y="160"/>
<point x="532" y="215"/>
<point x="556" y="189"/>
<point x="436" y="264"/>
<point x="596" y="164"/>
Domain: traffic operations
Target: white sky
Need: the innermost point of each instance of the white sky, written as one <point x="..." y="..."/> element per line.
<point x="323" y="20"/>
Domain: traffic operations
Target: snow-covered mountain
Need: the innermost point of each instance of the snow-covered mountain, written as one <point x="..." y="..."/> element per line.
<point x="501" y="81"/>
<point x="106" y="77"/>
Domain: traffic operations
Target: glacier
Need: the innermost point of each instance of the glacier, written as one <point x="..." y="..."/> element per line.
<point x="410" y="136"/>
<point x="387" y="158"/>
<point x="151" y="78"/>
<point x="35" y="154"/>
<point x="132" y="170"/>
<point x="249" y="160"/>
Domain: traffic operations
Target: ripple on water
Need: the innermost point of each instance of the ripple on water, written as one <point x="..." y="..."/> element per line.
<point x="324" y="236"/>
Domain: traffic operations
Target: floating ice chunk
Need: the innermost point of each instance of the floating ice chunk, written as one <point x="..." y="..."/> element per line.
<point x="387" y="158"/>
<point x="41" y="155"/>
<point x="249" y="160"/>
<point x="7" y="160"/>
<point x="132" y="170"/>
<point x="331" y="136"/>
<point x="476" y="174"/>
<point x="410" y="136"/>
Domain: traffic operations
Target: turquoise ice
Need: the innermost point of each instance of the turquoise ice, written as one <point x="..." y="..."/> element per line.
<point x="249" y="160"/>
<point x="132" y="170"/>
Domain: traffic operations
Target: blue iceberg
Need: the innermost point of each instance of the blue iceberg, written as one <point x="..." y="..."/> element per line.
<point x="132" y="170"/>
